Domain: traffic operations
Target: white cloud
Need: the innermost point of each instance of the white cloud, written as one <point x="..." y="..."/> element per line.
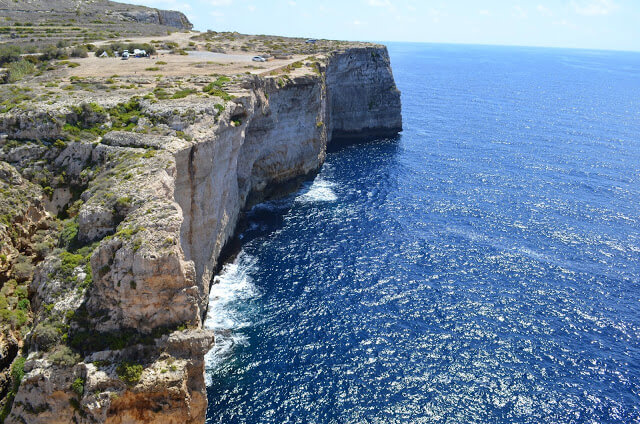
<point x="543" y="10"/>
<point x="216" y="14"/>
<point x="292" y="3"/>
<point x="357" y="22"/>
<point x="251" y="8"/>
<point x="484" y="12"/>
<point x="594" y="7"/>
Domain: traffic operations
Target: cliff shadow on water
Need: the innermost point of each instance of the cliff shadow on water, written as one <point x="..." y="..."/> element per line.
<point x="263" y="215"/>
<point x="232" y="288"/>
<point x="265" y="211"/>
<point x="340" y="143"/>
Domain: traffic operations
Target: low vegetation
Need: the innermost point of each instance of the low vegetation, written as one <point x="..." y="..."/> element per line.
<point x="129" y="372"/>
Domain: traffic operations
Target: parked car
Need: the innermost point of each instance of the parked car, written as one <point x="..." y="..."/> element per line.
<point x="259" y="59"/>
<point x="125" y="55"/>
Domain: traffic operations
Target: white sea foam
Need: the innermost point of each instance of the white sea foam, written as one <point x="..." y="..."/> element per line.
<point x="228" y="307"/>
<point x="320" y="191"/>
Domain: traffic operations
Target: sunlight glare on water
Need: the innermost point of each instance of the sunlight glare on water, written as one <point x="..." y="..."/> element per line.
<point x="482" y="267"/>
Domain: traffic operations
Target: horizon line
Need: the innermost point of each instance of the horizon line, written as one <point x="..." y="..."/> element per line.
<point x="445" y="43"/>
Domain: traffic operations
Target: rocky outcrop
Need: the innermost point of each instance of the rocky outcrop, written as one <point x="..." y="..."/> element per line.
<point x="171" y="388"/>
<point x="160" y="17"/>
<point x="23" y="222"/>
<point x="362" y="98"/>
<point x="156" y="211"/>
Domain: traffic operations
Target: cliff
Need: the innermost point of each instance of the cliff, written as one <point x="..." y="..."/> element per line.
<point x="147" y="191"/>
<point x="169" y="18"/>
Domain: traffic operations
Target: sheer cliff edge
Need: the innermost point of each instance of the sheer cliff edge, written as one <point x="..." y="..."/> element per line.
<point x="143" y="179"/>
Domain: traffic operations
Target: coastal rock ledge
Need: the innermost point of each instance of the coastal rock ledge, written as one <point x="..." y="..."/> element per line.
<point x="117" y="334"/>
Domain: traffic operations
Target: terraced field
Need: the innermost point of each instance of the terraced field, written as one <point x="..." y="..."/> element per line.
<point x="36" y="23"/>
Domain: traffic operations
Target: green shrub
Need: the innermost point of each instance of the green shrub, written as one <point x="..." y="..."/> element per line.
<point x="17" y="371"/>
<point x="221" y="93"/>
<point x="88" y="279"/>
<point x="78" y="386"/>
<point x="129" y="372"/>
<point x="63" y="355"/>
<point x="9" y="53"/>
<point x="51" y="53"/>
<point x="46" y="336"/>
<point x="127" y="232"/>
<point x="48" y="190"/>
<point x="18" y="70"/>
<point x="218" y="83"/>
<point x="183" y="93"/>
<point x="23" y="268"/>
<point x="69" y="262"/>
<point x="42" y="249"/>
<point x="124" y="202"/>
<point x="80" y="51"/>
<point x="24" y="304"/>
<point x="124" y="114"/>
<point x="69" y="234"/>
<point x="74" y="208"/>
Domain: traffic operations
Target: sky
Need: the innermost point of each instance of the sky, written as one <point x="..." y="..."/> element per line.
<point x="591" y="24"/>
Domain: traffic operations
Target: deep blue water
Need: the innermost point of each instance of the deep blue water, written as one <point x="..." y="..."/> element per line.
<point x="483" y="267"/>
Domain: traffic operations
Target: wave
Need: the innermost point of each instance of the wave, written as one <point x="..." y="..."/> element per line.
<point x="229" y="307"/>
<point x="319" y="191"/>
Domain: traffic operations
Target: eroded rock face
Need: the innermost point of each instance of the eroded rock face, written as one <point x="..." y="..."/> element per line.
<point x="170" y="389"/>
<point x="161" y="17"/>
<point x="281" y="136"/>
<point x="361" y="94"/>
<point x="31" y="125"/>
<point x="162" y="208"/>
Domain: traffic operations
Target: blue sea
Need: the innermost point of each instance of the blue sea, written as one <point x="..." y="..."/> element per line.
<point x="482" y="267"/>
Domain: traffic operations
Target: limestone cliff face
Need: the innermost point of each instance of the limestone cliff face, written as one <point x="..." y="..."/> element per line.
<point x="161" y="17"/>
<point x="160" y="210"/>
<point x="362" y="98"/>
<point x="278" y="135"/>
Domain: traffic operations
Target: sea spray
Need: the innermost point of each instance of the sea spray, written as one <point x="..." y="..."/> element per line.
<point x="229" y="309"/>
